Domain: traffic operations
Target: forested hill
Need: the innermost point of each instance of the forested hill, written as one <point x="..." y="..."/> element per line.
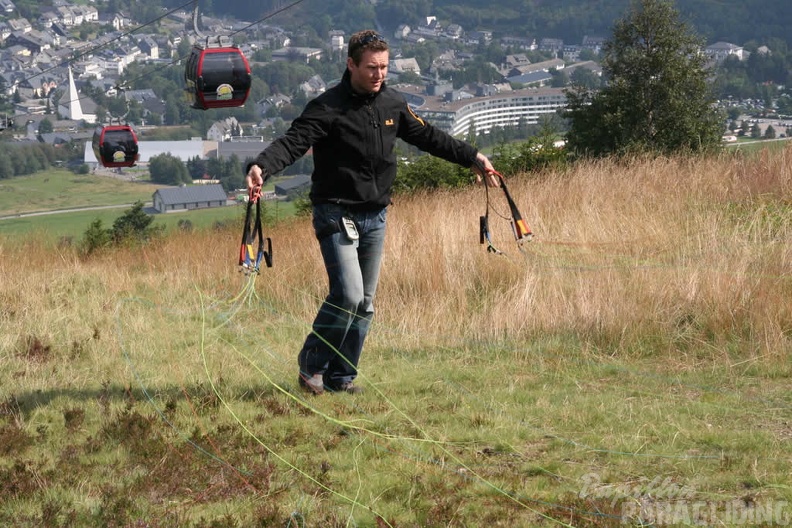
<point x="736" y="21"/>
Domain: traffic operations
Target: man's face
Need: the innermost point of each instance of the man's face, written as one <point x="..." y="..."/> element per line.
<point x="368" y="76"/>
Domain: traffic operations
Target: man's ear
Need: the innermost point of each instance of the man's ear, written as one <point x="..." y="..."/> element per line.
<point x="350" y="63"/>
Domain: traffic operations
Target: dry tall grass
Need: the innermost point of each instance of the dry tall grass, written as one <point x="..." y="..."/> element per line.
<point x="682" y="250"/>
<point x="676" y="249"/>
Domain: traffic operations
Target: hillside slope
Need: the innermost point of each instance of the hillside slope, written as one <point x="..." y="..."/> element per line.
<point x="737" y="21"/>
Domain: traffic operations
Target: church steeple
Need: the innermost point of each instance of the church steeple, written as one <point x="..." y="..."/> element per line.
<point x="70" y="106"/>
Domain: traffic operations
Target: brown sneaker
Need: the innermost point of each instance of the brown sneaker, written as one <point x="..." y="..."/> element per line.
<point x="314" y="384"/>
<point x="349" y="387"/>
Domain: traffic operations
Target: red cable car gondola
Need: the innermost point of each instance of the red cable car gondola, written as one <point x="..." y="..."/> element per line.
<point x="217" y="77"/>
<point x="115" y="146"/>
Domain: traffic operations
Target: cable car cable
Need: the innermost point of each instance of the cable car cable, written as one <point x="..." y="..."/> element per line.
<point x="99" y="47"/>
<point x="174" y="61"/>
<point x="94" y="49"/>
<point x="217" y="73"/>
<point x="132" y="81"/>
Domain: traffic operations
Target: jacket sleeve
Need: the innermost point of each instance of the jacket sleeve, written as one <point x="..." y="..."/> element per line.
<point x="417" y="131"/>
<point x="305" y="131"/>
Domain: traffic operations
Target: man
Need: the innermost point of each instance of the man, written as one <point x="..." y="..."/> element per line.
<point x="352" y="128"/>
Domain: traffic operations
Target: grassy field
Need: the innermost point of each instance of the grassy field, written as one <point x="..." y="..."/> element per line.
<point x="62" y="189"/>
<point x="631" y="366"/>
<point x="73" y="224"/>
<point x="59" y="190"/>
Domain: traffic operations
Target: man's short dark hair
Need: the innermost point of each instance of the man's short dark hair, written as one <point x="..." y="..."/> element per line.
<point x="368" y="39"/>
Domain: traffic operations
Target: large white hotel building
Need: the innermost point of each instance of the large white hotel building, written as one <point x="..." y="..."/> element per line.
<point x="484" y="113"/>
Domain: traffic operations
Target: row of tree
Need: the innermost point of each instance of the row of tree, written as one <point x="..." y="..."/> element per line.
<point x="167" y="169"/>
<point x="19" y="160"/>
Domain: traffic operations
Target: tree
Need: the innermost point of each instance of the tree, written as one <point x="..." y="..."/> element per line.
<point x="6" y="168"/>
<point x="424" y="54"/>
<point x="477" y="70"/>
<point x="168" y="169"/>
<point x="559" y="78"/>
<point x="196" y="167"/>
<point x="784" y="104"/>
<point x="117" y="107"/>
<point x="101" y="114"/>
<point x="539" y="152"/>
<point x="134" y="226"/>
<point x="410" y="77"/>
<point x="171" y="115"/>
<point x="95" y="238"/>
<point x="45" y="126"/>
<point x="183" y="49"/>
<point x="657" y="98"/>
<point x="586" y="78"/>
<point x="429" y="172"/>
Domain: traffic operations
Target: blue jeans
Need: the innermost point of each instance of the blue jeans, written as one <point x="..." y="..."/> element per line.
<point x="334" y="345"/>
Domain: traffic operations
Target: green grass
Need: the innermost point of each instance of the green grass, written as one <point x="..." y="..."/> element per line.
<point x="755" y="145"/>
<point x="60" y="189"/>
<point x="210" y="424"/>
<point x="74" y="224"/>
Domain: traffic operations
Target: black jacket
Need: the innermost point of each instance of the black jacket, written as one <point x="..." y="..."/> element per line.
<point x="353" y="138"/>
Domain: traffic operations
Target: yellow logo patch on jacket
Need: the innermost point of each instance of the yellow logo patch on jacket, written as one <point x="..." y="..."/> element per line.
<point x="416" y="116"/>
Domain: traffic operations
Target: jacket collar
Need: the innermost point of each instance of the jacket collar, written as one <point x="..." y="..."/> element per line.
<point x="346" y="82"/>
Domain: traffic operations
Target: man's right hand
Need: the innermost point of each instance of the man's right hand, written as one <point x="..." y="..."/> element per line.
<point x="485" y="171"/>
<point x="254" y="179"/>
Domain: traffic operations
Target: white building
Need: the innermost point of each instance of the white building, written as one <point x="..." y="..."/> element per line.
<point x="223" y="130"/>
<point x="337" y="43"/>
<point x="720" y="51"/>
<point x="486" y="113"/>
<point x="404" y="65"/>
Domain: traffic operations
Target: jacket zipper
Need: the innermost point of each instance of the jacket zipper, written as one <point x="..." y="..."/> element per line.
<point x="375" y="127"/>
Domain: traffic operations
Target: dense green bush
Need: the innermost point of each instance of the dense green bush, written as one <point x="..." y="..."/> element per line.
<point x="429" y="172"/>
<point x="133" y="227"/>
